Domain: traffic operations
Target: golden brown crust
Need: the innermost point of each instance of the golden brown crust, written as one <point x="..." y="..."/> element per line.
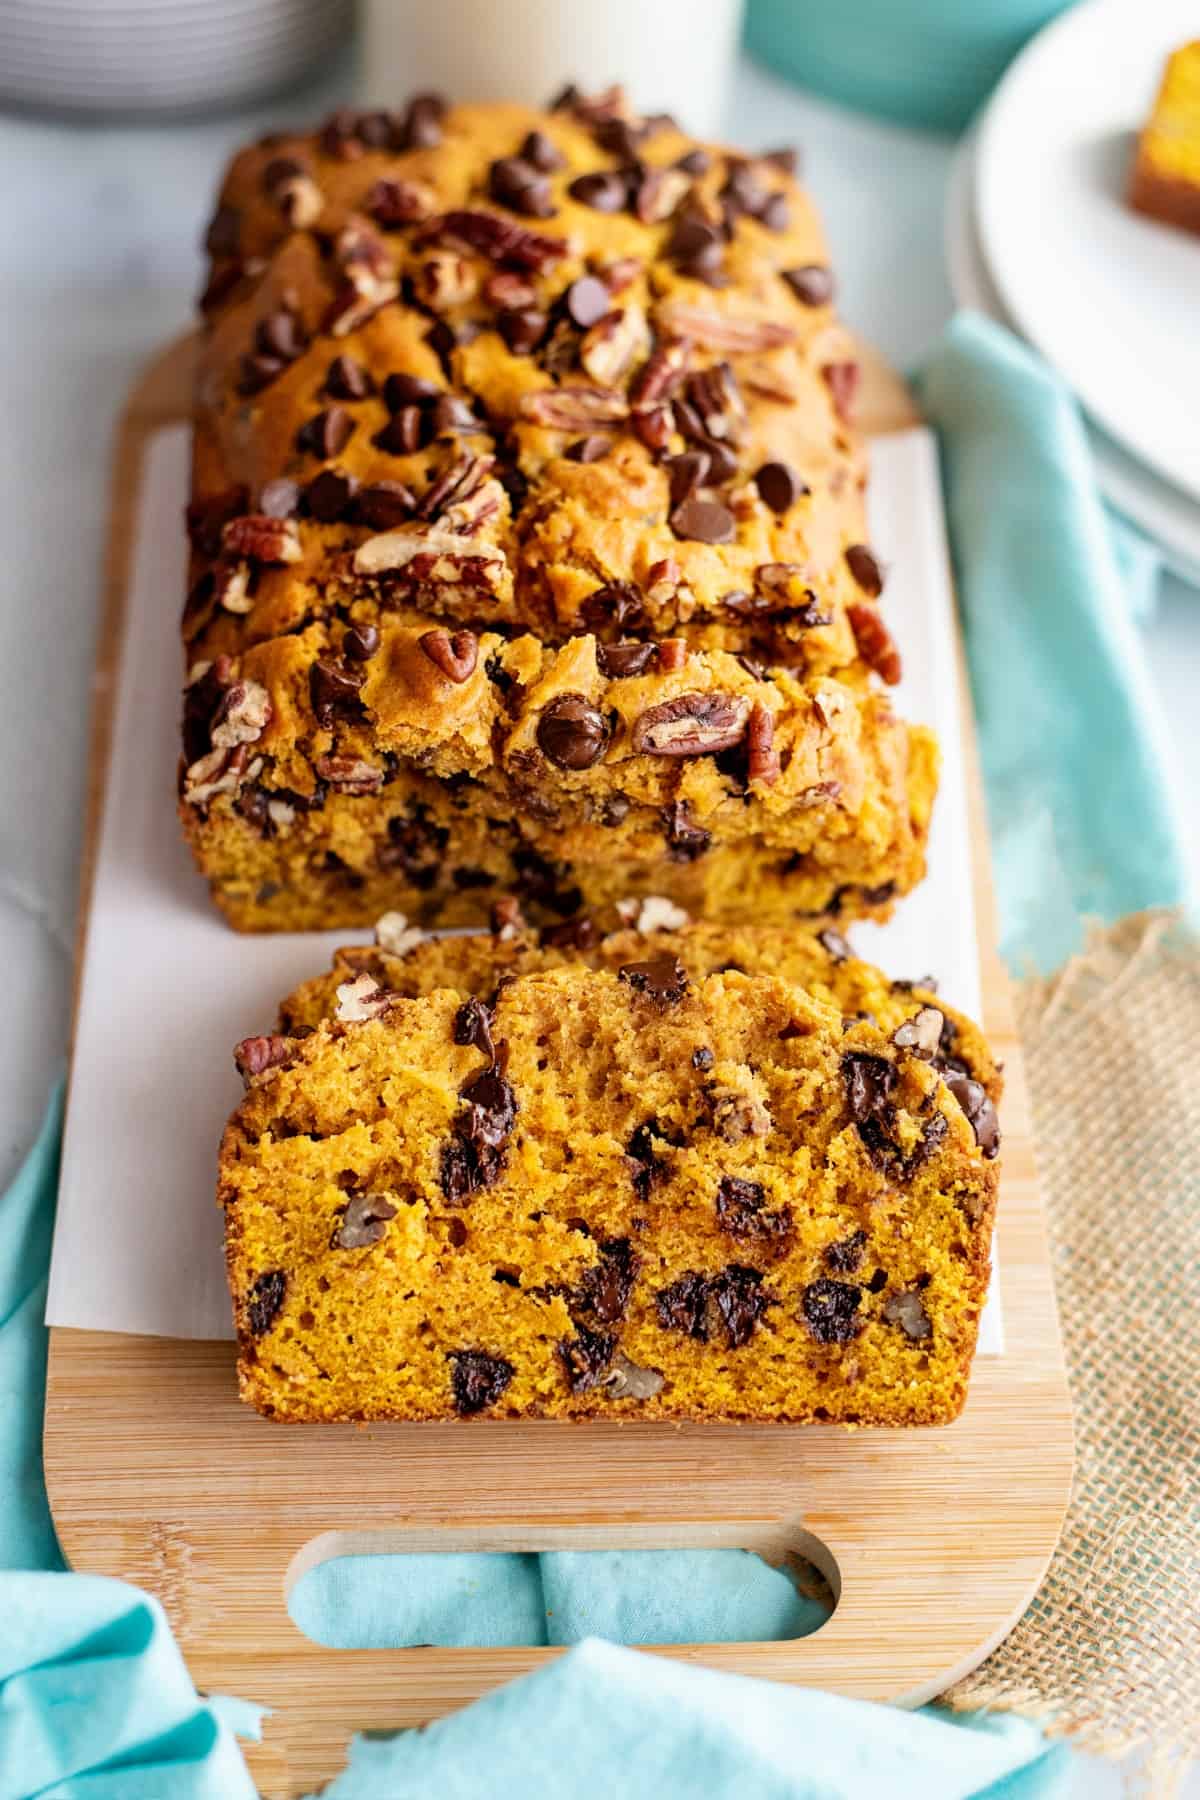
<point x="623" y="1195"/>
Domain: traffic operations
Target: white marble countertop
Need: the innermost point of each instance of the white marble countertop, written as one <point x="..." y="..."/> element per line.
<point x="99" y="265"/>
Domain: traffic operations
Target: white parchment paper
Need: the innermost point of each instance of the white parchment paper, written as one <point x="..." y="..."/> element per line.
<point x="168" y="989"/>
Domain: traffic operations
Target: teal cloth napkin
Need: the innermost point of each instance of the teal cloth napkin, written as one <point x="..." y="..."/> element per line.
<point x="94" y="1700"/>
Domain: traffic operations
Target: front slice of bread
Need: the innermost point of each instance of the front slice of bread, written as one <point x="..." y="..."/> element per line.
<point x="629" y="1194"/>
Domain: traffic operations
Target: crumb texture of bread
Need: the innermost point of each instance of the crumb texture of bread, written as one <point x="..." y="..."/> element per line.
<point x="1165" y="182"/>
<point x="528" y="541"/>
<point x="637" y="1193"/>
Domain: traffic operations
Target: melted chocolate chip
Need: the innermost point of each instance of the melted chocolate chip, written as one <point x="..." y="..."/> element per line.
<point x="743" y="1213"/>
<point x="662" y="979"/>
<point x="733" y="1301"/>
<point x="330" y="495"/>
<point x="572" y="733"/>
<point x="333" y="690"/>
<point x="522" y="328"/>
<point x="846" y="1256"/>
<point x="264" y="1301"/>
<point x="646" y="1167"/>
<point x="618" y="604"/>
<point x="870" y="1082"/>
<point x="703" y="1059"/>
<point x="477" y="1379"/>
<point x="603" y="1290"/>
<point x="682" y="1306"/>
<point x="361" y="642"/>
<point x="685" y="840"/>
<point x="973" y="1097"/>
<point x="619" y="661"/>
<point x="830" y="1310"/>
<point x="520" y="186"/>
<point x="473" y="1026"/>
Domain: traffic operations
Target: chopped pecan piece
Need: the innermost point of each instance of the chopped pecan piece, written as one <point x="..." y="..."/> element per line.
<point x="692" y="725"/>
<point x="921" y="1034"/>
<point x="721" y="331"/>
<point x="876" y="645"/>
<point x="444" y="280"/>
<point x="454" y="654"/>
<point x="762" y="757"/>
<point x="612" y="345"/>
<point x="255" y="1055"/>
<point x="362" y="999"/>
<point x="262" y="538"/>
<point x="349" y="774"/>
<point x="500" y="240"/>
<point x="431" y="554"/>
<point x="575" y="408"/>
<point x="364" y="1220"/>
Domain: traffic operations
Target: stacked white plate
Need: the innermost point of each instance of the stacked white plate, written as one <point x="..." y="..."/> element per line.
<point x="160" y="56"/>
<point x="1039" y="236"/>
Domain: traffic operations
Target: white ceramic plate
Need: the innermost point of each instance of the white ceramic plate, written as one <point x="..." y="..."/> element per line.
<point x="1110" y="298"/>
<point x="1165" y="513"/>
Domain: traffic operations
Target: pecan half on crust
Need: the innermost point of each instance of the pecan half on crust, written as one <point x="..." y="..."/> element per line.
<point x="692" y="725"/>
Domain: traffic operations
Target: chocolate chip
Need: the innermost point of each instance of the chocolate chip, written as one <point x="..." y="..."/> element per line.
<point x="779" y="486"/>
<point x="333" y="689"/>
<point x="870" y="1082"/>
<point x="830" y="1310"/>
<point x="619" y="661"/>
<point x="572" y="733"/>
<point x="517" y="184"/>
<point x="645" y="1166"/>
<point x="695" y="244"/>
<point x="835" y="944"/>
<point x="743" y="1213"/>
<point x="864" y="566"/>
<point x="404" y="432"/>
<point x="586" y="301"/>
<point x="363" y="1222"/>
<point x="586" y="1357"/>
<point x="473" y="1026"/>
<point x="422" y="127"/>
<point x="697" y="1304"/>
<point x="386" y="504"/>
<point x="683" y="1305"/>
<point x="280" y="499"/>
<point x="604" y="1289"/>
<point x="330" y="494"/>
<point x="452" y="414"/>
<point x="973" y="1097"/>
<point x="522" y="328"/>
<point x="542" y="152"/>
<point x="588" y="449"/>
<point x="280" y="334"/>
<point x="812" y="284"/>
<point x="361" y="642"/>
<point x="327" y="433"/>
<point x="907" y="1310"/>
<point x="662" y="979"/>
<point x="264" y="1301"/>
<point x="491" y="1111"/>
<point x="704" y="522"/>
<point x="775" y="213"/>
<point x="454" y="654"/>
<point x="847" y="1255"/>
<point x="224" y="233"/>
<point x="695" y="162"/>
<point x="604" y="191"/>
<point x="346" y="379"/>
<point x="686" y="472"/>
<point x="702" y="1059"/>
<point x="477" y="1379"/>
<point x="685" y="840"/>
<point x="402" y="389"/>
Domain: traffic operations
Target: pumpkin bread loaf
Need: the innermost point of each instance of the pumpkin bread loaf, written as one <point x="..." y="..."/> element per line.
<point x="528" y="542"/>
<point x="633" y="1193"/>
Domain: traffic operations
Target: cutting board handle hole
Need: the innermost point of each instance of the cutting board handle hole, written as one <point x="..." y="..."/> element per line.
<point x="758" y="1587"/>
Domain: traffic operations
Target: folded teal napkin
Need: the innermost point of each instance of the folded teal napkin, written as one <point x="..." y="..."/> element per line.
<point x="94" y="1700"/>
<point x="1082" y="818"/>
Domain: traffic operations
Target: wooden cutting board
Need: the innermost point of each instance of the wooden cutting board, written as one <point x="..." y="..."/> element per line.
<point x="935" y="1541"/>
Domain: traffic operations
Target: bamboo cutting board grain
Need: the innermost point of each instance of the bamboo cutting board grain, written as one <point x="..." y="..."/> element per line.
<point x="935" y="1541"/>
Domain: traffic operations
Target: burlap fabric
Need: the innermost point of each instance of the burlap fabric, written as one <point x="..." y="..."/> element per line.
<point x="1109" y="1652"/>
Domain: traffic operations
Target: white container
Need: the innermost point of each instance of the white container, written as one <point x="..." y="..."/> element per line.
<point x="671" y="56"/>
